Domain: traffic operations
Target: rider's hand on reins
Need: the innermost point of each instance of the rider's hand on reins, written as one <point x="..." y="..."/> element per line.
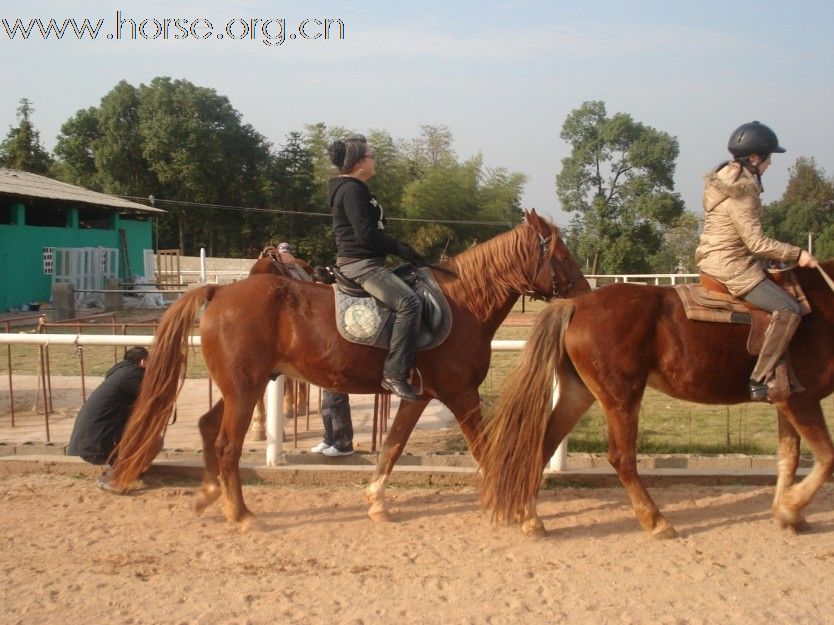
<point x="806" y="260"/>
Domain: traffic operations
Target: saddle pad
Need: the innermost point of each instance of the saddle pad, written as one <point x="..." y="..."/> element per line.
<point x="702" y="304"/>
<point x="365" y="321"/>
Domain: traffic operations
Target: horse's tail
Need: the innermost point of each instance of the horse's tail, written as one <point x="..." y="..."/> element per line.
<point x="164" y="375"/>
<point x="512" y="461"/>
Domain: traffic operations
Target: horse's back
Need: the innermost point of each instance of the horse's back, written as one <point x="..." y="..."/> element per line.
<point x="639" y="331"/>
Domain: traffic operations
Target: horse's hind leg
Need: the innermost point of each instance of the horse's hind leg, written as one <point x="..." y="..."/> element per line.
<point x="574" y="400"/>
<point x="228" y="445"/>
<point x="209" y="428"/>
<point x="401" y="427"/>
<point x="258" y="429"/>
<point x="806" y="417"/>
<point x="622" y="416"/>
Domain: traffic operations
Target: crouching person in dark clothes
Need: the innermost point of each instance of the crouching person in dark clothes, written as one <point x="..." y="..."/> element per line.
<point x="102" y="419"/>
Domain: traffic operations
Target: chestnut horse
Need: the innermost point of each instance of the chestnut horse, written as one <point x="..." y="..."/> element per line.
<point x="268" y="324"/>
<point x="608" y="346"/>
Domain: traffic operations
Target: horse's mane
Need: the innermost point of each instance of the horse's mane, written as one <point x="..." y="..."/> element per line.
<point x="490" y="271"/>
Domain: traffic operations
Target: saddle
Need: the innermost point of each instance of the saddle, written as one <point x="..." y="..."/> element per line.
<point x="362" y="319"/>
<point x="710" y="301"/>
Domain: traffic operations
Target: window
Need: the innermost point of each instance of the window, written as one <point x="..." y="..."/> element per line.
<point x="46" y="215"/>
<point x="94" y="218"/>
<point x="6" y="212"/>
<point x="133" y="217"/>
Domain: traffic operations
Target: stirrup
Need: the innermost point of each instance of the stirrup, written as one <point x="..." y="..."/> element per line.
<point x="758" y="390"/>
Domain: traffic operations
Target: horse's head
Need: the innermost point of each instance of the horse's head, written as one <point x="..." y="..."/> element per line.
<point x="555" y="272"/>
<point x="269" y="261"/>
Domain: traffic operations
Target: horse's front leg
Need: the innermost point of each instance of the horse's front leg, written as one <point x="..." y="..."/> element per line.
<point x="788" y="451"/>
<point x="806" y="418"/>
<point x="621" y="414"/>
<point x="404" y="421"/>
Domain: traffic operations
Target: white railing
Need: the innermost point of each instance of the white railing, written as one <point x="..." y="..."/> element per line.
<point x="275" y="389"/>
<point x="646" y="278"/>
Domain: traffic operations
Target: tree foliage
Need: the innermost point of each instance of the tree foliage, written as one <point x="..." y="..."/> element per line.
<point x="188" y="147"/>
<point x="618" y="180"/>
<point x="22" y="149"/>
<point x="806" y="207"/>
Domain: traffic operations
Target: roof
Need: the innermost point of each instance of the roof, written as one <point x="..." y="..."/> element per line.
<point x="23" y="183"/>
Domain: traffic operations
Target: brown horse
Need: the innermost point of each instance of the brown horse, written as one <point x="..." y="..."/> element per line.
<point x="267" y="324"/>
<point x="608" y="346"/>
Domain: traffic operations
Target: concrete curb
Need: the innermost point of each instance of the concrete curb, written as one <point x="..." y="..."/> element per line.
<point x="338" y="472"/>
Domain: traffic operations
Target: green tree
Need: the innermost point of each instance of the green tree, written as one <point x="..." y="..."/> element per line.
<point x="291" y="186"/>
<point x="806" y="206"/>
<point x="119" y="147"/>
<point x="75" y="149"/>
<point x="391" y="172"/>
<point x="677" y="251"/>
<point x="22" y="147"/>
<point x="447" y="191"/>
<point x="195" y="143"/>
<point x="318" y="139"/>
<point x="618" y="180"/>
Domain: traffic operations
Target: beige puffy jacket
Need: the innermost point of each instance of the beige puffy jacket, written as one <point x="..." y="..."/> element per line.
<point x="732" y="241"/>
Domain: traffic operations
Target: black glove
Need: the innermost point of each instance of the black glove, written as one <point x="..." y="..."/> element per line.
<point x="408" y="253"/>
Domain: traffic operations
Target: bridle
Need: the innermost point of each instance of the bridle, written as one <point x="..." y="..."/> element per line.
<point x="561" y="283"/>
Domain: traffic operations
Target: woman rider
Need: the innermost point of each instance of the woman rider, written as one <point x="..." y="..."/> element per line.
<point x="362" y="246"/>
<point x="733" y="243"/>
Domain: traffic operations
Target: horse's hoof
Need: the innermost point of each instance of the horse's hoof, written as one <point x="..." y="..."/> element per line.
<point x="664" y="532"/>
<point x="379" y="513"/>
<point x="790" y="520"/>
<point x="249" y="522"/>
<point x="258" y="435"/>
<point x="533" y="527"/>
<point x="207" y="496"/>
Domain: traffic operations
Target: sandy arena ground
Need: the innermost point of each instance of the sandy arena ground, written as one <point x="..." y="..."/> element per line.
<point x="73" y="554"/>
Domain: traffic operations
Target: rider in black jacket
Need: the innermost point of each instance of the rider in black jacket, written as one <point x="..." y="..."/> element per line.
<point x="362" y="246"/>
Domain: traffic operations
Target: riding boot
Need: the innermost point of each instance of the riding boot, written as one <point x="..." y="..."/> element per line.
<point x="777" y="337"/>
<point x="402" y="351"/>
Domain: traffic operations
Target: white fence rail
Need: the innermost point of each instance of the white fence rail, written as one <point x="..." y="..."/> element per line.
<point x="275" y="389"/>
<point x="659" y="279"/>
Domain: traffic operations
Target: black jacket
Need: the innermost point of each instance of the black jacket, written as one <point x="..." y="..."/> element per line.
<point x="359" y="222"/>
<point x="102" y="418"/>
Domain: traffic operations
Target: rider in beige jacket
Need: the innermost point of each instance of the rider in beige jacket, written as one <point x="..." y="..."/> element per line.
<point x="733" y="244"/>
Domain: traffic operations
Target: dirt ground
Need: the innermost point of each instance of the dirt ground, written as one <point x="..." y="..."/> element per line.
<point x="70" y="553"/>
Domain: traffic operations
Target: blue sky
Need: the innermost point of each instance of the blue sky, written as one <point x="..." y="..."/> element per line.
<point x="501" y="75"/>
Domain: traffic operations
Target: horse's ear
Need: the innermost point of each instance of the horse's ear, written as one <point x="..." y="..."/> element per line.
<point x="526" y="216"/>
<point x="536" y="221"/>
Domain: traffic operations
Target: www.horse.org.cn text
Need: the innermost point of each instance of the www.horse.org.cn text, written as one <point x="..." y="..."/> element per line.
<point x="272" y="32"/>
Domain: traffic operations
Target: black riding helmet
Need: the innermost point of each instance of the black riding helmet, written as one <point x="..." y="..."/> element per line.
<point x="753" y="138"/>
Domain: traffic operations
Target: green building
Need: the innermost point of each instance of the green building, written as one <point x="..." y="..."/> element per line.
<point x="53" y="231"/>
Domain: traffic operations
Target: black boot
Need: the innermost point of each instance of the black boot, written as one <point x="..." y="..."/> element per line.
<point x="758" y="390"/>
<point x="400" y="388"/>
